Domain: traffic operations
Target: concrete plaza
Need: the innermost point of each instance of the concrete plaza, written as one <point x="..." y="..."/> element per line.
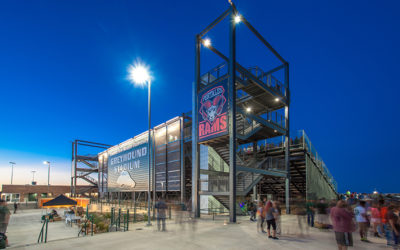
<point x="205" y="234"/>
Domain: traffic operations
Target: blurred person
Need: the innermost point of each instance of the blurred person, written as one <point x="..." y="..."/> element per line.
<point x="15" y="207"/>
<point x="392" y="226"/>
<point x="383" y="210"/>
<point x="343" y="226"/>
<point x="322" y="214"/>
<point x="253" y="210"/>
<point x="271" y="214"/>
<point x="161" y="207"/>
<point x="278" y="218"/>
<point x="4" y="219"/>
<point x="301" y="218"/>
<point x="375" y="218"/>
<point x="260" y="217"/>
<point x="362" y="220"/>
<point x="310" y="211"/>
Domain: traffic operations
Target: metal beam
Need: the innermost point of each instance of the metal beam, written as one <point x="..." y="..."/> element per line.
<point x="195" y="145"/>
<point x="212" y="172"/>
<point x="182" y="155"/>
<point x="262" y="171"/>
<point x="214" y="193"/>
<point x="262" y="121"/>
<point x="96" y="143"/>
<point x="215" y="22"/>
<point x="232" y="118"/>
<point x="287" y="142"/>
<point x="262" y="39"/>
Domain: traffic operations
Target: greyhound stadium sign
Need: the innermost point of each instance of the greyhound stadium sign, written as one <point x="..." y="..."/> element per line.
<point x="128" y="170"/>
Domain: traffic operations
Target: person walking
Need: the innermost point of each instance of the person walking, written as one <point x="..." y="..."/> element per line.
<point x="343" y="226"/>
<point x="310" y="210"/>
<point x="375" y="218"/>
<point x="161" y="207"/>
<point x="271" y="214"/>
<point x="278" y="217"/>
<point x="362" y="220"/>
<point x="253" y="210"/>
<point x="392" y="227"/>
<point x="260" y="217"/>
<point x="4" y="219"/>
<point x="15" y="207"/>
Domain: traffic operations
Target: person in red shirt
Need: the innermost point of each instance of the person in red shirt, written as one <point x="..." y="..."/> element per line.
<point x="342" y="220"/>
<point x="375" y="218"/>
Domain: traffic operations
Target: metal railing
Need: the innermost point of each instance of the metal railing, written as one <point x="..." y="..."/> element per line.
<point x="318" y="160"/>
<point x="268" y="79"/>
<point x="243" y="74"/>
<point x="43" y="231"/>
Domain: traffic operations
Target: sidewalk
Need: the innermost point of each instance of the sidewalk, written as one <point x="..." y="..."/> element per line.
<point x="208" y="234"/>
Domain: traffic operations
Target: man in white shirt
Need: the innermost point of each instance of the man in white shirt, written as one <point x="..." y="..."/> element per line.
<point x="360" y="213"/>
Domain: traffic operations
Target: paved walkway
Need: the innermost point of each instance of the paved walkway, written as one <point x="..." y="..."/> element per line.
<point x="205" y="234"/>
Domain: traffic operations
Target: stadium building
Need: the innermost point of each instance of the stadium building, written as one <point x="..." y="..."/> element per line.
<point x="233" y="146"/>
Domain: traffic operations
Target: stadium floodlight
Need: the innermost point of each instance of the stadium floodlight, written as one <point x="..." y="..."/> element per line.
<point x="248" y="109"/>
<point x="238" y="18"/>
<point x="139" y="74"/>
<point x="277" y="99"/>
<point x="207" y="42"/>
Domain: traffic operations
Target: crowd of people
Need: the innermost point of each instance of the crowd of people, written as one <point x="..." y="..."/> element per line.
<point x="370" y="217"/>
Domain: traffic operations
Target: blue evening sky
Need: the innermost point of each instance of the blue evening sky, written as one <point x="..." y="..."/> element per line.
<point x="63" y="67"/>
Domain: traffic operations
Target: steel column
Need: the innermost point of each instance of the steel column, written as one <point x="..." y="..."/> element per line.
<point x="287" y="142"/>
<point x="154" y="171"/>
<point x="232" y="118"/>
<point x="182" y="155"/>
<point x="149" y="156"/>
<point x="195" y="146"/>
<point x="75" y="166"/>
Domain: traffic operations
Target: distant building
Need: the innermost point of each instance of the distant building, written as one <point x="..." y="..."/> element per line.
<point x="32" y="193"/>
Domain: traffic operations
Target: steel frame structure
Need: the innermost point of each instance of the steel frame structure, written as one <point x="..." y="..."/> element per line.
<point x="233" y="66"/>
<point x="89" y="166"/>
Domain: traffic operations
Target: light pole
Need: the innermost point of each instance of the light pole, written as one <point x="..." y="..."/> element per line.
<point x="12" y="170"/>
<point x="33" y="176"/>
<point x="139" y="75"/>
<point x="48" y="177"/>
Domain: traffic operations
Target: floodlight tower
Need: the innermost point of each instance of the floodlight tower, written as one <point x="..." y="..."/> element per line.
<point x="139" y="75"/>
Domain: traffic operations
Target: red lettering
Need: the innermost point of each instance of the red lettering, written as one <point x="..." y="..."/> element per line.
<point x="223" y="122"/>
<point x="208" y="128"/>
<point x="201" y="129"/>
<point x="215" y="126"/>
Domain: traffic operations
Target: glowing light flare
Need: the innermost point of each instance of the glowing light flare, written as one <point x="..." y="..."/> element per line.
<point x="238" y="18"/>
<point x="248" y="109"/>
<point x="46" y="162"/>
<point x="207" y="42"/>
<point x="138" y="74"/>
<point x="277" y="99"/>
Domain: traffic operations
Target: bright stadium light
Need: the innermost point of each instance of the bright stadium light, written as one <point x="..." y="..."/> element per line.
<point x="277" y="99"/>
<point x="238" y="18"/>
<point x="207" y="42"/>
<point x="248" y="109"/>
<point x="138" y="74"/>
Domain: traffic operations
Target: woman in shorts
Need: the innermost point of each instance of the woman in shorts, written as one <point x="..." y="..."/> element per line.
<point x="270" y="218"/>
